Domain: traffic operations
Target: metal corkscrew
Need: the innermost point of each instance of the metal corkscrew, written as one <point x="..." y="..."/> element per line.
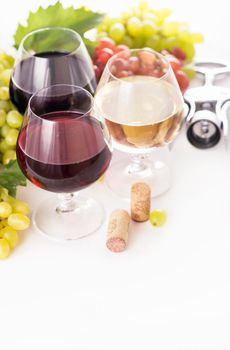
<point x="205" y="120"/>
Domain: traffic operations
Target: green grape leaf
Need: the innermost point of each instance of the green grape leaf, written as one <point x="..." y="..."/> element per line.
<point x="80" y="19"/>
<point x="11" y="177"/>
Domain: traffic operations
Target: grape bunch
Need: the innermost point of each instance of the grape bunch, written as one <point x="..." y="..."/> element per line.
<point x="13" y="212"/>
<point x="143" y="26"/>
<point x="107" y="48"/>
<point x="10" y="118"/>
<point x="13" y="218"/>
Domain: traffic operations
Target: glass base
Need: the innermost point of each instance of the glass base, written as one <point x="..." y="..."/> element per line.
<point x="121" y="176"/>
<point x="68" y="220"/>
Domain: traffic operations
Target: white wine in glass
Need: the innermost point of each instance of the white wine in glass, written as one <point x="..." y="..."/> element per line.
<point x="140" y="101"/>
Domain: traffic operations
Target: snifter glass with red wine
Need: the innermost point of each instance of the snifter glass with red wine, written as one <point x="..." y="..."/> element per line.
<point x="47" y="57"/>
<point x="63" y="148"/>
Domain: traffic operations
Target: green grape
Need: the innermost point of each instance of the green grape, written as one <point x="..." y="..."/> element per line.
<point x="117" y="32"/>
<point x="4" y="93"/>
<point x="11" y="137"/>
<point x="4" y="223"/>
<point x="9" y="59"/>
<point x="137" y="43"/>
<point x="11" y="235"/>
<point x="3" y="193"/>
<point x="148" y="28"/>
<point x="134" y="26"/>
<point x="5" y="76"/>
<point x="8" y="156"/>
<point x="6" y="105"/>
<point x="184" y="35"/>
<point x="125" y="16"/>
<point x="158" y="218"/>
<point x="102" y="35"/>
<point x="170" y="29"/>
<point x="143" y="6"/>
<point x="2" y="117"/>
<point x="4" y="146"/>
<point x="103" y="27"/>
<point x="149" y="16"/>
<point x="154" y="42"/>
<point x="2" y="68"/>
<point x="4" y="249"/>
<point x="5" y="210"/>
<point x="171" y="42"/>
<point x="4" y="130"/>
<point x="1" y="226"/>
<point x="189" y="50"/>
<point x="5" y="63"/>
<point x="14" y="119"/>
<point x="196" y="38"/>
<point x="161" y="15"/>
<point x="12" y="107"/>
<point x="20" y="207"/>
<point x="18" y="221"/>
<point x="127" y="41"/>
<point x="189" y="71"/>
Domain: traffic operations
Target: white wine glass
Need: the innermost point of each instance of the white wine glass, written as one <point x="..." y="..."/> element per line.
<point x="140" y="100"/>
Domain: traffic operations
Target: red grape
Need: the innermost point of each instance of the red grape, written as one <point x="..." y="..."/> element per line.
<point x="105" y="55"/>
<point x="134" y="64"/>
<point x="182" y="79"/>
<point x="174" y="62"/>
<point x="124" y="74"/>
<point x="120" y="48"/>
<point x="178" y="53"/>
<point x="147" y="58"/>
<point x="120" y="64"/>
<point x="107" y="43"/>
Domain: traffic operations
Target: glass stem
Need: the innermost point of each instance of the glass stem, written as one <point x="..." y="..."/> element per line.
<point x="67" y="203"/>
<point x="138" y="163"/>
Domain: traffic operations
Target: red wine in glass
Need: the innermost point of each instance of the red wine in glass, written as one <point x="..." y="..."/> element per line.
<point x="48" y="57"/>
<point x="62" y="147"/>
<point x="78" y="154"/>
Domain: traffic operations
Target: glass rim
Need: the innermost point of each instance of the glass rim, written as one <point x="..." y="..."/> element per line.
<point x="29" y="108"/>
<point x="108" y="64"/>
<point x="64" y="29"/>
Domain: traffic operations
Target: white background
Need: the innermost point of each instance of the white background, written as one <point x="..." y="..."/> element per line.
<point x="171" y="289"/>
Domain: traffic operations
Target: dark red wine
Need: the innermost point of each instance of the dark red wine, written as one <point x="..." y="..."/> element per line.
<point x="46" y="69"/>
<point x="64" y="153"/>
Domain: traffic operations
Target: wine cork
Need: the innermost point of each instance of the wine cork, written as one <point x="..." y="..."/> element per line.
<point x="140" y="202"/>
<point x="118" y="230"/>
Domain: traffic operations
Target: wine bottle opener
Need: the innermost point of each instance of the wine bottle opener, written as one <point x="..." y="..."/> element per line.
<point x="205" y="119"/>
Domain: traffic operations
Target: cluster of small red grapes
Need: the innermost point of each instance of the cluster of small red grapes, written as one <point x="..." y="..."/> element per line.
<point x="143" y="64"/>
<point x="106" y="49"/>
<point x="176" y="58"/>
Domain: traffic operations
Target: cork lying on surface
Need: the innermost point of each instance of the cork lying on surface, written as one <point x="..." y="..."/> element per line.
<point x="140" y="201"/>
<point x="118" y="231"/>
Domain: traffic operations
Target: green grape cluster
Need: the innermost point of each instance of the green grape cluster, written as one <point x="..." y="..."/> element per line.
<point x="13" y="218"/>
<point x="143" y="26"/>
<point x="10" y="118"/>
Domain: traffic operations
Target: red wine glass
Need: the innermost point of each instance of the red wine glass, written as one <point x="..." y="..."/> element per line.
<point x="62" y="148"/>
<point x="47" y="57"/>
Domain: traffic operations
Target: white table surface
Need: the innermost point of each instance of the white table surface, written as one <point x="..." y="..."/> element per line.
<point x="170" y="290"/>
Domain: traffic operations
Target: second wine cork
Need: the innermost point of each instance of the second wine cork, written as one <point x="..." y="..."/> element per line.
<point x="118" y="230"/>
<point x="140" y="201"/>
